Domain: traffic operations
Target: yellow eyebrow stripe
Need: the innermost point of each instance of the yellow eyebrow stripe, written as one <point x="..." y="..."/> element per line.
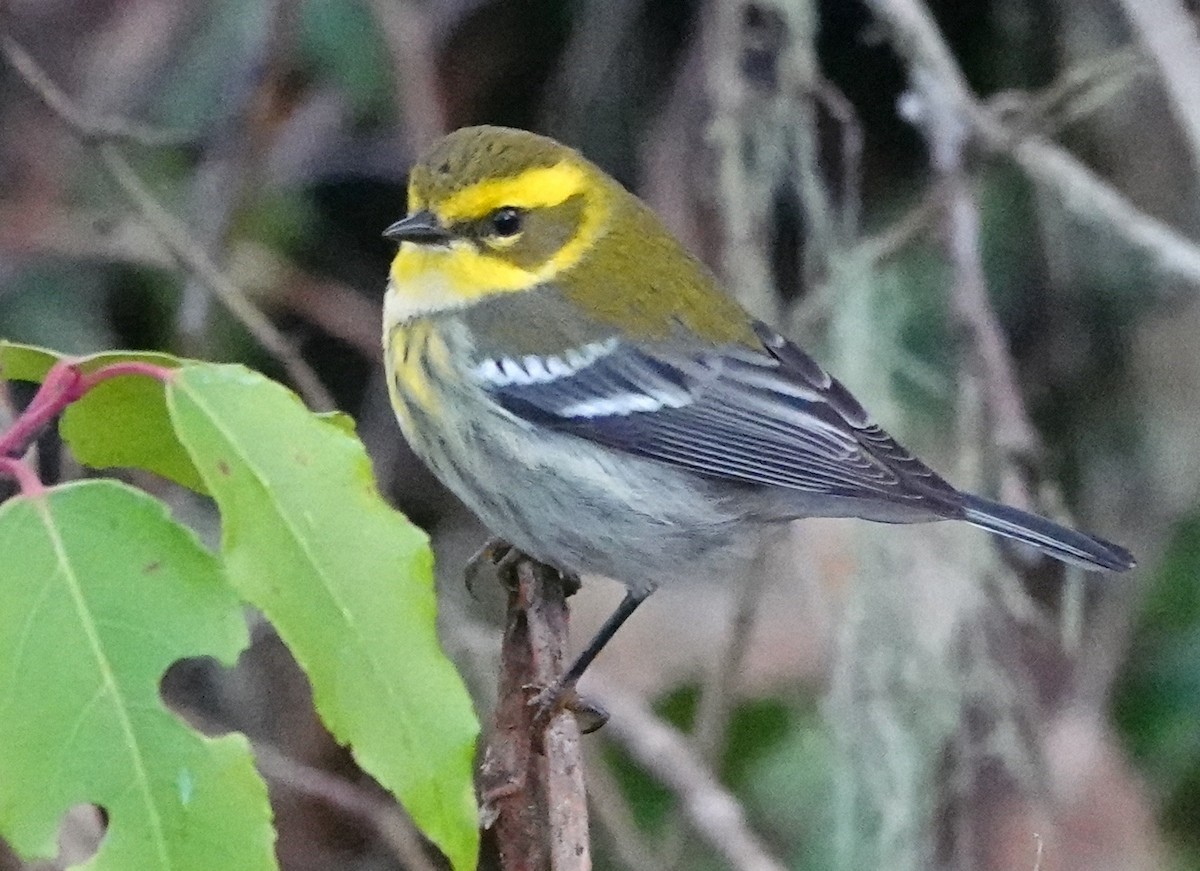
<point x="541" y="187"/>
<point x="426" y="279"/>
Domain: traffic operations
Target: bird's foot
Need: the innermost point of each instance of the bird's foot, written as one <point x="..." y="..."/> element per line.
<point x="571" y="582"/>
<point x="504" y="559"/>
<point x="562" y="696"/>
<point x="495" y="551"/>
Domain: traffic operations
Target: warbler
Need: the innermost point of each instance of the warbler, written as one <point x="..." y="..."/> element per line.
<point x="583" y="384"/>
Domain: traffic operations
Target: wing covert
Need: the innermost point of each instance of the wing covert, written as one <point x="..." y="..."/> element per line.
<point x="773" y="418"/>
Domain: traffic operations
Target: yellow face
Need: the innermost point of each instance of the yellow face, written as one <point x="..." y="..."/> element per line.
<point x="492" y="233"/>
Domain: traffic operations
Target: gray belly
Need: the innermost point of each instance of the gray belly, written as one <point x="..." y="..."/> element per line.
<point x="581" y="507"/>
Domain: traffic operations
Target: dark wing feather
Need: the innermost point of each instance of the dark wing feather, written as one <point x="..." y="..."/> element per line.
<point x="772" y="418"/>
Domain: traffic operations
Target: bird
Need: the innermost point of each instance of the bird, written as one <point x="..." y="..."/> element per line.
<point x="587" y="388"/>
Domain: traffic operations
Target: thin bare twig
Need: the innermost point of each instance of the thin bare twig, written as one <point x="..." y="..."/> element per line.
<point x="384" y="816"/>
<point x="842" y="111"/>
<point x="1077" y="92"/>
<point x="174" y="235"/>
<point x="531" y="780"/>
<point x="378" y="811"/>
<point x="736" y="129"/>
<point x="170" y="229"/>
<point x="990" y="363"/>
<point x="717" y="817"/>
<point x="914" y="223"/>
<point x="1077" y="188"/>
<point x="89" y="128"/>
<point x="764" y="133"/>
<point x="1074" y="94"/>
<point x="800" y="79"/>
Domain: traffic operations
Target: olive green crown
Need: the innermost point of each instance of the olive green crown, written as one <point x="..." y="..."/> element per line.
<point x="470" y="155"/>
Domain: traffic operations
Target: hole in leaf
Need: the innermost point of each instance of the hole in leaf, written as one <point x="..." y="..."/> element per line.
<point x="80" y="834"/>
<point x="192" y="689"/>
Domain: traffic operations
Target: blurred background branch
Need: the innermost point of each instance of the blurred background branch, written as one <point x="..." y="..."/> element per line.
<point x="1077" y="188"/>
<point x="1168" y="31"/>
<point x="176" y="236"/>
<point x="714" y="815"/>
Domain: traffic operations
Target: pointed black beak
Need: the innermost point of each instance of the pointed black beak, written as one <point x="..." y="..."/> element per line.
<point x="420" y="227"/>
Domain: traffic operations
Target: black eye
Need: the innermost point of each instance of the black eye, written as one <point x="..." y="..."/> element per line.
<point x="506" y="221"/>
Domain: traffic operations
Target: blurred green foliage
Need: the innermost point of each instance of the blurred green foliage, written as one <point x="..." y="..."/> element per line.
<point x="1157" y="700"/>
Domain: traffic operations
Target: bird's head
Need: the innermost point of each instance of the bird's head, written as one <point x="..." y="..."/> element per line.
<point x="492" y="211"/>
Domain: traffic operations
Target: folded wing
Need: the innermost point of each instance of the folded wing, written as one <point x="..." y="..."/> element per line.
<point x="771" y="417"/>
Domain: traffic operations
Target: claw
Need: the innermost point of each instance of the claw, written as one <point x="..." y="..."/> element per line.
<point x="571" y="583"/>
<point x="560" y="696"/>
<point x="504" y="558"/>
<point x="494" y="551"/>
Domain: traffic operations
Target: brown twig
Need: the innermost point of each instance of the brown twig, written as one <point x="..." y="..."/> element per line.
<point x="531" y="780"/>
<point x="407" y="31"/>
<point x="171" y="230"/>
<point x="1082" y="192"/>
<point x="87" y="127"/>
<point x="717" y="817"/>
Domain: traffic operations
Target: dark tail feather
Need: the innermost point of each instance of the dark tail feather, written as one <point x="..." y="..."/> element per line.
<point x="1047" y="536"/>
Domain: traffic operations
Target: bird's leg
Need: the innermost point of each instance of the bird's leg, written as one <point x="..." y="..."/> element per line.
<point x="561" y="693"/>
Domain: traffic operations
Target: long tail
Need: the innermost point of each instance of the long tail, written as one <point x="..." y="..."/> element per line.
<point x="1047" y="536"/>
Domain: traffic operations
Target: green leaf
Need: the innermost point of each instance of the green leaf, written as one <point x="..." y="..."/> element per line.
<point x="120" y="422"/>
<point x="102" y="592"/>
<point x="25" y="362"/>
<point x="123" y="422"/>
<point x="341" y="420"/>
<point x="345" y="579"/>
